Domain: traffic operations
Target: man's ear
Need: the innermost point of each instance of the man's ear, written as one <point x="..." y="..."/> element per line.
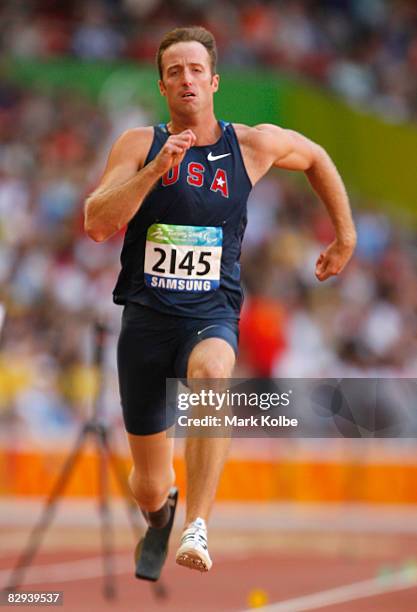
<point x="215" y="80"/>
<point x="162" y="87"/>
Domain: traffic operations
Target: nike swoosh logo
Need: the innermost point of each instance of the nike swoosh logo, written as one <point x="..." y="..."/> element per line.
<point x="212" y="157"/>
<point x="209" y="326"/>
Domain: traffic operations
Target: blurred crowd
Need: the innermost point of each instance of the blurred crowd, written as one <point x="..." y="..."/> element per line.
<point x="52" y="278"/>
<point x="55" y="282"/>
<point x="362" y="323"/>
<point x="364" y="51"/>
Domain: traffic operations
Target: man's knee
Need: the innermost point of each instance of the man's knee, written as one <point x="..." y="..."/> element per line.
<point x="212" y="358"/>
<point x="150" y="493"/>
<point x="212" y="368"/>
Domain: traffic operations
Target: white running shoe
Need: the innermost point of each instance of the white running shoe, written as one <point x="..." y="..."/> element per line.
<point x="193" y="550"/>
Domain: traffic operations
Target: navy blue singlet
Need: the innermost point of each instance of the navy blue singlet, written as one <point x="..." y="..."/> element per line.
<point x="181" y="250"/>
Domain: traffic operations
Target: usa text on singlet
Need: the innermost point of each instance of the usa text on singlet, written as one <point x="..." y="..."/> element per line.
<point x="181" y="250"/>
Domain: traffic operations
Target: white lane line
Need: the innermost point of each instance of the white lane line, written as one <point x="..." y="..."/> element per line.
<point x="82" y="569"/>
<point x="357" y="590"/>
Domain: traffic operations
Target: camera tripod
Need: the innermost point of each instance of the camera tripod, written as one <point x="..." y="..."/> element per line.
<point x="99" y="431"/>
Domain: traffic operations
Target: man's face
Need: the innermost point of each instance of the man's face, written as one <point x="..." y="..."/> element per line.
<point x="187" y="81"/>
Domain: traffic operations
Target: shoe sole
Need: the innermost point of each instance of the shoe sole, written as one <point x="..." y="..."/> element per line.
<point x="192" y="560"/>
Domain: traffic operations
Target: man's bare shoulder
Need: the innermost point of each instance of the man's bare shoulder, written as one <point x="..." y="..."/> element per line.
<point x="255" y="136"/>
<point x="133" y="144"/>
<point x="243" y="133"/>
<point x="134" y="137"/>
<point x="253" y="149"/>
<point x="241" y="129"/>
<point x="138" y="132"/>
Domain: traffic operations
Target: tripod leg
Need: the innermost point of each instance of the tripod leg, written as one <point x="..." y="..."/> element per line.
<point x="106" y="524"/>
<point x="46" y="517"/>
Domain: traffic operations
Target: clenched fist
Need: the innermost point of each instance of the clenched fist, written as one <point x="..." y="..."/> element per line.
<point x="332" y="261"/>
<point x="174" y="150"/>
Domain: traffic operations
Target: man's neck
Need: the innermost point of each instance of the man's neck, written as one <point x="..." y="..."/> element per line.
<point x="207" y="131"/>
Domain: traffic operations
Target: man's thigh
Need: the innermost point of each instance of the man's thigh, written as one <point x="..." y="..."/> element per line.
<point x="210" y="367"/>
<point x="146" y="352"/>
<point x="208" y="343"/>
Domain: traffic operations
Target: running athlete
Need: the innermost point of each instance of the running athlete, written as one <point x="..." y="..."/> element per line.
<point x="181" y="188"/>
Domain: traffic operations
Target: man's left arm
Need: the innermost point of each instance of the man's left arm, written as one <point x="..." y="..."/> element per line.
<point x="290" y="150"/>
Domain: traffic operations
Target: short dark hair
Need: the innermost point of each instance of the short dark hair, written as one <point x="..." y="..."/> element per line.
<point x="189" y="34"/>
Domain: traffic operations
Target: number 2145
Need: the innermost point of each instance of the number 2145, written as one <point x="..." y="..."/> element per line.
<point x="186" y="263"/>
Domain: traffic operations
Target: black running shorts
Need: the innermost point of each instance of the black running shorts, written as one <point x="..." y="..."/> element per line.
<point x="152" y="347"/>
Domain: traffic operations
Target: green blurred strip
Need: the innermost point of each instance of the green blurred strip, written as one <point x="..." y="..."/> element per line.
<point x="376" y="159"/>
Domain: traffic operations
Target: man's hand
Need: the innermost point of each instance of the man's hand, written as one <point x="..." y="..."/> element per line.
<point x="173" y="151"/>
<point x="332" y="261"/>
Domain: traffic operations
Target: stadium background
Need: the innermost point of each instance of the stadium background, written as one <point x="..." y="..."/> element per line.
<point x="342" y="72"/>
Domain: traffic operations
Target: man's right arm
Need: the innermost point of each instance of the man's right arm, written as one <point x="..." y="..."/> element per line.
<point x="123" y="187"/>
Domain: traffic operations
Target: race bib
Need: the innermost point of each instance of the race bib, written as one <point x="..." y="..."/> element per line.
<point x="183" y="257"/>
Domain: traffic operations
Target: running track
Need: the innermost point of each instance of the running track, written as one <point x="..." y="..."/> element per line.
<point x="333" y="571"/>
